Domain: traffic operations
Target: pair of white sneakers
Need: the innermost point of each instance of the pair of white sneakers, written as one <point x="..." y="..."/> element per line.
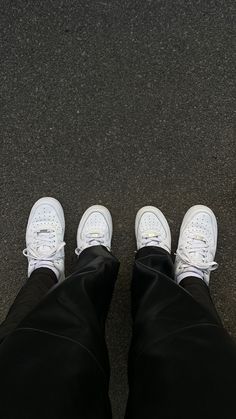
<point x="195" y="253"/>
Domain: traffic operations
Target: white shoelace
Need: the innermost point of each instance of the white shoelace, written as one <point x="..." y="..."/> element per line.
<point x="197" y="247"/>
<point x="42" y="247"/>
<point x="151" y="239"/>
<point x="92" y="239"/>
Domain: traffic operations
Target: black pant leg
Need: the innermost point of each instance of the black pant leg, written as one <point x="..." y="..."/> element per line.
<point x="55" y="364"/>
<point x="36" y="287"/>
<point x="182" y="363"/>
<point x="201" y="293"/>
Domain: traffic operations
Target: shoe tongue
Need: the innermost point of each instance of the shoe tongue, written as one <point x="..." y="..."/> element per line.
<point x="198" y="241"/>
<point x="149" y="235"/>
<point x="95" y="234"/>
<point x="44" y="250"/>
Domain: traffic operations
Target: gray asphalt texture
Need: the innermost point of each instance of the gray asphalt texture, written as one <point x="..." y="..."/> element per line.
<point x="125" y="104"/>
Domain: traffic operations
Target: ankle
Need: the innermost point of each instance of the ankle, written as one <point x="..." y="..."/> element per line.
<point x="192" y="272"/>
<point x="44" y="272"/>
<point x="44" y="265"/>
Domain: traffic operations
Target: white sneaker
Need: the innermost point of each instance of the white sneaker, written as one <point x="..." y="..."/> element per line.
<point x="197" y="244"/>
<point x="152" y="229"/>
<point x="95" y="228"/>
<point x="45" y="237"/>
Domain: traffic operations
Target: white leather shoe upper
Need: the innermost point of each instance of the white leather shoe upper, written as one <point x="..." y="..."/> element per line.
<point x="197" y="244"/>
<point x="152" y="228"/>
<point x="45" y="237"/>
<point x="95" y="228"/>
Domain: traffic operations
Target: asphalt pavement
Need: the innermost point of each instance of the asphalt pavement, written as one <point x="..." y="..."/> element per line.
<point x="121" y="103"/>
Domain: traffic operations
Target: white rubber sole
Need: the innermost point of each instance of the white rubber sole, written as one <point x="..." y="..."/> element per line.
<point x="159" y="215"/>
<point x="193" y="211"/>
<point x="54" y="203"/>
<point x="95" y="208"/>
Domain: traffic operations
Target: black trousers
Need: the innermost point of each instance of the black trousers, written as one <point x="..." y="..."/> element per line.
<point x="53" y="356"/>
